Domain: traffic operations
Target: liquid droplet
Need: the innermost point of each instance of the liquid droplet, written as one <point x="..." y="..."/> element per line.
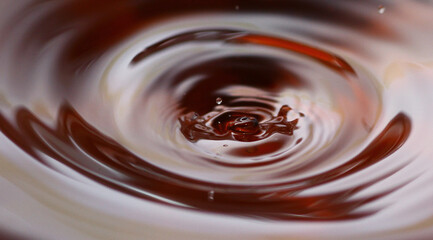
<point x="381" y="9"/>
<point x="210" y="195"/>
<point x="219" y="100"/>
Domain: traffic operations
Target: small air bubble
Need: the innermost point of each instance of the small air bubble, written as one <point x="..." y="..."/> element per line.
<point x="211" y="195"/>
<point x="219" y="100"/>
<point x="381" y="9"/>
<point x="194" y="116"/>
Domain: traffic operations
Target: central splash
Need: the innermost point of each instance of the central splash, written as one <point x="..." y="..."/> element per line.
<point x="247" y="125"/>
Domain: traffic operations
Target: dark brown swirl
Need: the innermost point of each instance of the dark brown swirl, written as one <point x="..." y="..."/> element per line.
<point x="104" y="160"/>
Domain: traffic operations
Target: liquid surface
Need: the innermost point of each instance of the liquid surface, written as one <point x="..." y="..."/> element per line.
<point x="216" y="119"/>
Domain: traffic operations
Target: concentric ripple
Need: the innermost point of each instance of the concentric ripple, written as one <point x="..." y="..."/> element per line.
<point x="300" y="119"/>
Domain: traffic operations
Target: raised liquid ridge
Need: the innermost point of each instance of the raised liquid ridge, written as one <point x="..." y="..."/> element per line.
<point x="295" y="118"/>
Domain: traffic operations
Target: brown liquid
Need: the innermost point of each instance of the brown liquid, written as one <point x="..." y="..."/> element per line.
<point x="214" y="107"/>
<point x="269" y="201"/>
